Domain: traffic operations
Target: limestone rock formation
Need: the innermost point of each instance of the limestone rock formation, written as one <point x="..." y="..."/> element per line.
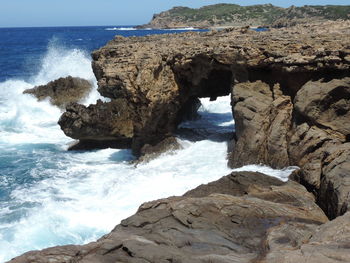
<point x="62" y="91"/>
<point x="326" y="104"/>
<point x="290" y="97"/>
<point x="243" y="217"/>
<point x="104" y="124"/>
<point x="262" y="119"/>
<point x="312" y="133"/>
<point x="161" y="76"/>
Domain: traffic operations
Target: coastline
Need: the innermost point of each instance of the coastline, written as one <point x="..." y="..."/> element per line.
<point x="218" y="58"/>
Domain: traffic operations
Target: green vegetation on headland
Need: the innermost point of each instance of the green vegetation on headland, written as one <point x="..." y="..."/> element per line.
<point x="221" y="15"/>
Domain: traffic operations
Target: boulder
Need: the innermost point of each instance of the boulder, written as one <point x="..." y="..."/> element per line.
<point x="218" y="222"/>
<point x="62" y="91"/>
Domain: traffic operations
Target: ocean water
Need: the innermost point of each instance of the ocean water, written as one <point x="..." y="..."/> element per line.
<point x="49" y="196"/>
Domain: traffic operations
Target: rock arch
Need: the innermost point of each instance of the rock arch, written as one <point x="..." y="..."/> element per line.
<point x="154" y="81"/>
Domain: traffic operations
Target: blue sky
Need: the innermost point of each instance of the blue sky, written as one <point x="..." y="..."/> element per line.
<point x="108" y="12"/>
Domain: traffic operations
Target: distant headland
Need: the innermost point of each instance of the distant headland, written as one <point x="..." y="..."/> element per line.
<point x="232" y="15"/>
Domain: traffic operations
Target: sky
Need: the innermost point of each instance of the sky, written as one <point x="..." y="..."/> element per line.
<point x="21" y="13"/>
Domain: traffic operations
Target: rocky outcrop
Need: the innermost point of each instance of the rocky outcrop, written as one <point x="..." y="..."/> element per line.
<point x="326" y="105"/>
<point x="312" y="133"/>
<point x="290" y="98"/>
<point x="243" y="217"/>
<point x="104" y="124"/>
<point x="161" y="76"/>
<point x="62" y="91"/>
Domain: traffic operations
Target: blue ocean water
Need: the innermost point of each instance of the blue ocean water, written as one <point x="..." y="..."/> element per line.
<point x="49" y="196"/>
<point x="22" y="49"/>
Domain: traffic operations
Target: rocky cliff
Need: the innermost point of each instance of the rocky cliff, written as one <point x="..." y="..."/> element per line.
<point x="231" y="15"/>
<point x="290" y="92"/>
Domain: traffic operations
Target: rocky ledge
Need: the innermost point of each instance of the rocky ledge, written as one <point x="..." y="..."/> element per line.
<point x="243" y="217"/>
<point x="290" y="92"/>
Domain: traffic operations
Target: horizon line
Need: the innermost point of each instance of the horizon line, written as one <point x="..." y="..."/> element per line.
<point x="9" y="27"/>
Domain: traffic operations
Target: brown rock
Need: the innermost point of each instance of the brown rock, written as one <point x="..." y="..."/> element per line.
<point x="326" y="104"/>
<point x="62" y="91"/>
<point x="150" y="152"/>
<point x="111" y="123"/>
<point x="329" y="243"/>
<point x="161" y="75"/>
<point x="334" y="194"/>
<point x="215" y="226"/>
<point x="262" y="120"/>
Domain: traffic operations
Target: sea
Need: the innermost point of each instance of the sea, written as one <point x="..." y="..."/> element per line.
<point x="50" y="196"/>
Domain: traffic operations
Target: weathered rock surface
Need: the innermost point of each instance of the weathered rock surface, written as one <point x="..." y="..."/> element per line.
<point x="149" y="152"/>
<point x="312" y="133"/>
<point x="326" y="104"/>
<point x="243" y="217"/>
<point x="62" y="91"/>
<point x="100" y="125"/>
<point x="328" y="244"/>
<point x="290" y="97"/>
<point x="162" y="75"/>
<point x="262" y="121"/>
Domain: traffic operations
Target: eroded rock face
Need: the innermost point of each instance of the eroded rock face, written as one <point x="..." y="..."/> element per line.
<point x="312" y="133"/>
<point x="262" y="120"/>
<point x="230" y="220"/>
<point x="329" y="243"/>
<point x="96" y="124"/>
<point x="62" y="91"/>
<point x="160" y="74"/>
<point x="326" y="104"/>
<point x="290" y="96"/>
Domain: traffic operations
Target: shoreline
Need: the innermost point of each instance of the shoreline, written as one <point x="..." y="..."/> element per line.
<point x="277" y="128"/>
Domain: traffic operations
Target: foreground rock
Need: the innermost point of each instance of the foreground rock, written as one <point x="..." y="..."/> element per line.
<point x="329" y="243"/>
<point x="243" y="217"/>
<point x="62" y="91"/>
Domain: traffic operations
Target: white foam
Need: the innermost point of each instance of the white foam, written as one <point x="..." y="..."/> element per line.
<point x="181" y="29"/>
<point x="22" y="118"/>
<point x="281" y="174"/>
<point x="120" y="28"/>
<point x="61" y="62"/>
